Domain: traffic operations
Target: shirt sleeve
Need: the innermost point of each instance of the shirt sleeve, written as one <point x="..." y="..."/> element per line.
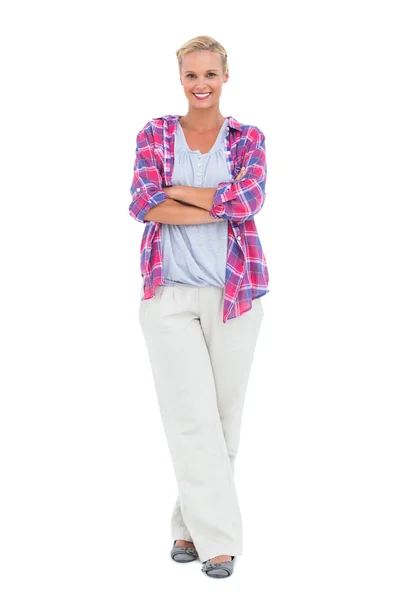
<point x="242" y="199"/>
<point x="146" y="186"/>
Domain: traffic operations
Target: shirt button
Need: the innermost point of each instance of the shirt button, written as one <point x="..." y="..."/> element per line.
<point x="239" y="237"/>
<point x="138" y="189"/>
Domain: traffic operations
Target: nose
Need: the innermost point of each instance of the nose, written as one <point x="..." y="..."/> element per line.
<point x="200" y="84"/>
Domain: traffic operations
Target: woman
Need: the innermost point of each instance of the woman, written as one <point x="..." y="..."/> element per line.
<point x="198" y="181"/>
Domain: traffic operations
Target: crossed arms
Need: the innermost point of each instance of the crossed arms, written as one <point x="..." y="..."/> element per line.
<point x="236" y="200"/>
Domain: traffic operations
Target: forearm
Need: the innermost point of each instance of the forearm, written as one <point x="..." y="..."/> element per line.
<point x="195" y="196"/>
<point x="174" y="213"/>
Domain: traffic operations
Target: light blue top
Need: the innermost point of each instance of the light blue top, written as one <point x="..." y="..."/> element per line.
<point x="196" y="254"/>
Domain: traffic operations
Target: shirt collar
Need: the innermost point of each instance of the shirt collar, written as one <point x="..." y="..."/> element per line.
<point x="233" y="123"/>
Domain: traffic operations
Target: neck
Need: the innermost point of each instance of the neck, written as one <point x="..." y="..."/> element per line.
<point x="203" y="120"/>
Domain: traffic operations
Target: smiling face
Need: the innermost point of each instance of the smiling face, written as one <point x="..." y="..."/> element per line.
<point x="201" y="72"/>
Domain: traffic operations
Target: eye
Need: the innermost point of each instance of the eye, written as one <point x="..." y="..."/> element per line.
<point x="190" y="75"/>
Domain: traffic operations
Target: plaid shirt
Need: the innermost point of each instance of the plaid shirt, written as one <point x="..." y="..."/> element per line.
<point x="237" y="201"/>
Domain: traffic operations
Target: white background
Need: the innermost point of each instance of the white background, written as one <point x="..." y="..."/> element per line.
<point x="87" y="482"/>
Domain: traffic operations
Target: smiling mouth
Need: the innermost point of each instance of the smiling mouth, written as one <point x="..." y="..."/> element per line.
<point x="202" y="96"/>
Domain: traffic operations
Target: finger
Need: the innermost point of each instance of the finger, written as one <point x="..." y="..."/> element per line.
<point x="241" y="173"/>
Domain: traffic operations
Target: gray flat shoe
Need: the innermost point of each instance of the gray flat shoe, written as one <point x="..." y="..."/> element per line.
<point x="180" y="554"/>
<point x="218" y="569"/>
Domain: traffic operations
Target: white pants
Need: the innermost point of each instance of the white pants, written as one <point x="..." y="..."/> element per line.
<point x="201" y="368"/>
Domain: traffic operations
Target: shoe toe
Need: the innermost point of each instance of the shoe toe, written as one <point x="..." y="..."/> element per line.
<point x="183" y="557"/>
<point x="218" y="573"/>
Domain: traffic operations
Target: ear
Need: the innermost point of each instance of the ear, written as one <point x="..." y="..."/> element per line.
<point x="226" y="77"/>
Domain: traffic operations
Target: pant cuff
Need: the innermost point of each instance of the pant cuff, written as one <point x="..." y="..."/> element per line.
<point x="181" y="534"/>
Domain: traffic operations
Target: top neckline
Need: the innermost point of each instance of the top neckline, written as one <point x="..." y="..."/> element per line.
<point x="214" y="145"/>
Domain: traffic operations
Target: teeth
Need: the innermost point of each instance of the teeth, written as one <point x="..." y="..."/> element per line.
<point x="202" y="95"/>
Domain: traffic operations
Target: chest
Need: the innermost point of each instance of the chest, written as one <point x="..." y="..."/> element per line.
<point x="164" y="149"/>
<point x="202" y="142"/>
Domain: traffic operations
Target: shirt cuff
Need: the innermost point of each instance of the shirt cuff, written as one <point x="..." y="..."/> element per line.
<point x="222" y="194"/>
<point x="145" y="202"/>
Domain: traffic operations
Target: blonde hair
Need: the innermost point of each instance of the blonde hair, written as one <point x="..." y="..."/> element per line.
<point x="203" y="42"/>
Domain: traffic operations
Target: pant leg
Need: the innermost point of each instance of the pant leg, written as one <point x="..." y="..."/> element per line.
<point x="179" y="531"/>
<point x="231" y="347"/>
<point x="185" y="389"/>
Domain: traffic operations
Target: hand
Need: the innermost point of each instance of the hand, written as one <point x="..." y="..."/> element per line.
<point x="171" y="191"/>
<point x="240" y="175"/>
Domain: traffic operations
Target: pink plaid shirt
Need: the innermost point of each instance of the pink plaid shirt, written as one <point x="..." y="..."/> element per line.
<point x="237" y="201"/>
